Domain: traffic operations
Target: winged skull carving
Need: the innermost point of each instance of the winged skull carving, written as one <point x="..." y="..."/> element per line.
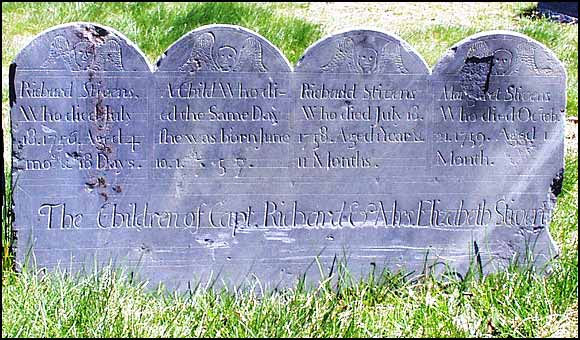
<point x="249" y="58"/>
<point x="85" y="55"/>
<point x="349" y="59"/>
<point x="109" y="56"/>
<point x="59" y="48"/>
<point x="502" y="62"/>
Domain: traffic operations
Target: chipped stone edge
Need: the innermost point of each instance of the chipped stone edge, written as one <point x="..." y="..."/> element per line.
<point x="404" y="44"/>
<point x="270" y="45"/>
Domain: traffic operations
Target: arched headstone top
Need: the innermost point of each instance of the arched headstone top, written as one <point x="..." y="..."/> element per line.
<point x="500" y="53"/>
<point x="362" y="51"/>
<point x="222" y="49"/>
<point x="81" y="46"/>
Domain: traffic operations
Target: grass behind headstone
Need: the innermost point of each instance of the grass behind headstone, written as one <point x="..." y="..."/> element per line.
<point x="154" y="26"/>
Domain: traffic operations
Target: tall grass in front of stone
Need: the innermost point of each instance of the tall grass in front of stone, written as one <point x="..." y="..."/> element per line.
<point x="514" y="303"/>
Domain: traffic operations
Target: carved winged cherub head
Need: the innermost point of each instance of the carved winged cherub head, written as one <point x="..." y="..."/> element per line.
<point x="226" y="58"/>
<point x="367" y="59"/>
<point x="502" y="61"/>
<point x="84" y="54"/>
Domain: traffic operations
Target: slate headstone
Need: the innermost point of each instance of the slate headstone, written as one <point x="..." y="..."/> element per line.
<point x="79" y="115"/>
<point x="361" y="123"/>
<point x="225" y="166"/>
<point x="499" y="101"/>
<point x="222" y="140"/>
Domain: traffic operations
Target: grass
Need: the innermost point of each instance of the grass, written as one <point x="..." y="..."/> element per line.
<point x="517" y="303"/>
<point x="432" y="28"/>
<point x="514" y="303"/>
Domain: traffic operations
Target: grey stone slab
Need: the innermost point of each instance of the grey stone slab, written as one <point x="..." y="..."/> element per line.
<point x="498" y="117"/>
<point x="361" y="118"/>
<point x="224" y="116"/>
<point x="79" y="110"/>
<point x="227" y="166"/>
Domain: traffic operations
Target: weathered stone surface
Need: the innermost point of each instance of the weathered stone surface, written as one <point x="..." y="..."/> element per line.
<point x="226" y="151"/>
<point x="499" y="102"/>
<point x="79" y="109"/>
<point x="225" y="165"/>
<point x="362" y="107"/>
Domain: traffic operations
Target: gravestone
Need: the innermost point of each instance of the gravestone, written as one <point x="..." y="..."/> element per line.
<point x="497" y="151"/>
<point x="226" y="166"/>
<point x="79" y="109"/>
<point x="221" y="125"/>
<point x="360" y="120"/>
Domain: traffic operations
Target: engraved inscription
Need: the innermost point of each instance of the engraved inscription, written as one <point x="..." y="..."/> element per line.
<point x="433" y="212"/>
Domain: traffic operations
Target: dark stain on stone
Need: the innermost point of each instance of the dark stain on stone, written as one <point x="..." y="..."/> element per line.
<point x="101" y="32"/>
<point x="102" y="182"/>
<point x="104" y="148"/>
<point x="104" y="196"/>
<point x="163" y="56"/>
<point x="94" y="34"/>
<point x="91" y="184"/>
<point x="75" y="154"/>
<point x="11" y="84"/>
<point x="99" y="182"/>
<point x="301" y="59"/>
<point x="117" y="188"/>
<point x="557" y="181"/>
